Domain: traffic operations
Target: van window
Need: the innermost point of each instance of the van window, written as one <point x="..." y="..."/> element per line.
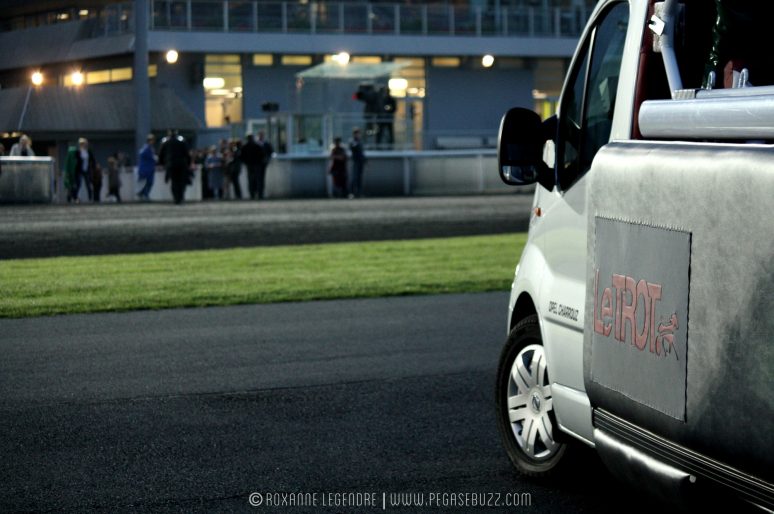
<point x="589" y="98"/>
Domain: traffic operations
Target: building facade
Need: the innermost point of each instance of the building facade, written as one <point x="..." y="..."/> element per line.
<point x="414" y="75"/>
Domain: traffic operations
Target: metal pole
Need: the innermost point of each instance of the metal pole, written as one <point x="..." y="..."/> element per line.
<point x="140" y="74"/>
<point x="24" y="109"/>
<point x="669" y="16"/>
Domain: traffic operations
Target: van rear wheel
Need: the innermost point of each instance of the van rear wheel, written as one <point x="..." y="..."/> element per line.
<point x="525" y="411"/>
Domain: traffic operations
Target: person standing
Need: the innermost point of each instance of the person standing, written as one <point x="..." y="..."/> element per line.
<point x="338" y="169"/>
<point x="23" y="148"/>
<point x="268" y="152"/>
<point x="146" y="167"/>
<point x="213" y="165"/>
<point x="234" y="166"/>
<point x="114" y="177"/>
<point x="358" y="164"/>
<point x="174" y="156"/>
<point x="71" y="174"/>
<point x="96" y="182"/>
<point x="252" y="156"/>
<point x="85" y="169"/>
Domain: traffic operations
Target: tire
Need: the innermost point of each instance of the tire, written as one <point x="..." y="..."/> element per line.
<point x="525" y="414"/>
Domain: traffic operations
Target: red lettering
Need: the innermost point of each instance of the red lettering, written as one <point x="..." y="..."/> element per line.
<point x="607" y="309"/>
<point x="597" y="320"/>
<point x="641" y="338"/>
<point x="619" y="282"/>
<point x="628" y="306"/>
<point x="624" y="311"/>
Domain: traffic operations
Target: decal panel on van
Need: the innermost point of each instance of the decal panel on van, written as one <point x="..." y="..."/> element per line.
<point x="639" y="342"/>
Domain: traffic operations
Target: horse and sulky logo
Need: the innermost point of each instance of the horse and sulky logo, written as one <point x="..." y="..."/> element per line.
<point x="627" y="308"/>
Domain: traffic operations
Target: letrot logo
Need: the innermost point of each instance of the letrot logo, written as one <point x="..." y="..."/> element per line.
<point x="628" y="309"/>
<point x="639" y="325"/>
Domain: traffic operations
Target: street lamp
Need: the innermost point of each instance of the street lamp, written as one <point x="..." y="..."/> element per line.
<point x="37" y="80"/>
<point x="172" y="56"/>
<point x="77" y="78"/>
<point x="487" y="61"/>
<point x="341" y="58"/>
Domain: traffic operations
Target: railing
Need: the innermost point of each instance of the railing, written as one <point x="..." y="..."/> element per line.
<point x="112" y="20"/>
<point x="340" y="18"/>
<point x="365" y="18"/>
<point x="313" y="133"/>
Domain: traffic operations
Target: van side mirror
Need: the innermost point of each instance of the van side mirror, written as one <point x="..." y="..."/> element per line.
<point x="520" y="148"/>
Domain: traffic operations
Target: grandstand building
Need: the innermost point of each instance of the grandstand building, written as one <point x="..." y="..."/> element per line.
<point x="430" y="75"/>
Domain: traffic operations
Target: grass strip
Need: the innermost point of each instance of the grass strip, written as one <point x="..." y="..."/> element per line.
<point x="67" y="285"/>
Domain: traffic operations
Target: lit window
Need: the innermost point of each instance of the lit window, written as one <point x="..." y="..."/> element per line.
<point x="296" y="60"/>
<point x="446" y="62"/>
<point x="153" y="70"/>
<point x="98" y="77"/>
<point x="367" y="59"/>
<point x="223" y="89"/>
<point x="120" y="74"/>
<point x="263" y="59"/>
<point x="411" y="62"/>
<point x="222" y="58"/>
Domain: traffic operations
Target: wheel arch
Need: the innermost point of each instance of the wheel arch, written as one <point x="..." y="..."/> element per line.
<point x="523" y="307"/>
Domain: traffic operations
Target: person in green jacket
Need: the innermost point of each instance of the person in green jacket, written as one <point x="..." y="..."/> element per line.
<point x="70" y="171"/>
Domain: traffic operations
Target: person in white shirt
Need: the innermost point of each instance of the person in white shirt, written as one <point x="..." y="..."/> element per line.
<point x="23" y="148"/>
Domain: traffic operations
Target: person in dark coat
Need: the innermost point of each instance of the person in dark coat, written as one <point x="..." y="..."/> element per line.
<point x="85" y="169"/>
<point x="114" y="177"/>
<point x="174" y="156"/>
<point x="252" y="156"/>
<point x="358" y="163"/>
<point x="268" y="153"/>
<point x="338" y="169"/>
<point x="234" y="166"/>
<point x="146" y="167"/>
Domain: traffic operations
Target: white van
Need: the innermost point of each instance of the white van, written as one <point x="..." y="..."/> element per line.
<point x="641" y="313"/>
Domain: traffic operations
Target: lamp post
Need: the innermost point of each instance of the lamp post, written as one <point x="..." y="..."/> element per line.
<point x="140" y="75"/>
<point x="36" y="80"/>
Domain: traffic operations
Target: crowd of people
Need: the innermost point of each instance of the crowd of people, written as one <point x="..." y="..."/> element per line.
<point x="221" y="167"/>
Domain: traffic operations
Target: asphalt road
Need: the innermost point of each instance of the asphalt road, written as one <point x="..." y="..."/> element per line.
<point x="56" y="230"/>
<point x="191" y="410"/>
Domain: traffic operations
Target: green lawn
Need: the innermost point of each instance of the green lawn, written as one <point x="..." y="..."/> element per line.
<point x="64" y="285"/>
